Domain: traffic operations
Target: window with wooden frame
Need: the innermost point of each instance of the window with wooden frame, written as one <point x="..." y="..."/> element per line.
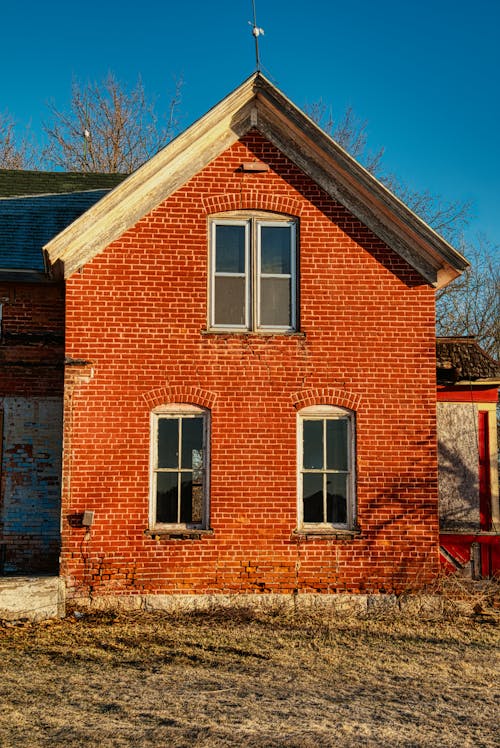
<point x="179" y="467"/>
<point x="326" y="474"/>
<point x="253" y="273"/>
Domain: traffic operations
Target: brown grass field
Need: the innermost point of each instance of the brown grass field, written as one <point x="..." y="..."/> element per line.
<point x="246" y="678"/>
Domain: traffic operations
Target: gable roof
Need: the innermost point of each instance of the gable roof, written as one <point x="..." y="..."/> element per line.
<point x="461" y="359"/>
<point x="259" y="104"/>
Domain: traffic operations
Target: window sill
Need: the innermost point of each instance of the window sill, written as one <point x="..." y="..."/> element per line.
<point x="254" y="333"/>
<point x="179" y="533"/>
<point x="328" y="534"/>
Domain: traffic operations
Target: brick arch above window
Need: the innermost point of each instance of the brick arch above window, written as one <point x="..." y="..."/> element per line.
<point x="326" y="396"/>
<point x="252" y="200"/>
<point x="180" y="394"/>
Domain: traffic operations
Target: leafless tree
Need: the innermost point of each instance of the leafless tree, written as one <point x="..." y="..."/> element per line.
<point x="348" y="131"/>
<point x="15" y="152"/>
<point x="108" y="128"/>
<point x="471" y="304"/>
<point x="447" y="218"/>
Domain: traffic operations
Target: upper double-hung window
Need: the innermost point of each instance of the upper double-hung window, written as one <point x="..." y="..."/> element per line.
<point x="253" y="275"/>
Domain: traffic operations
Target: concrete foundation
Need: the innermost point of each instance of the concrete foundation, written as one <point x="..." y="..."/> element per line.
<point x="418" y="605"/>
<point x="32" y="598"/>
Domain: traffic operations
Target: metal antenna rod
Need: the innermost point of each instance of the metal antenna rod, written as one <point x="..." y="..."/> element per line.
<point x="256" y="31"/>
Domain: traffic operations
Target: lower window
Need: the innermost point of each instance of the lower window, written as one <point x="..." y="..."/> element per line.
<point x="326" y="468"/>
<point x="179" y="496"/>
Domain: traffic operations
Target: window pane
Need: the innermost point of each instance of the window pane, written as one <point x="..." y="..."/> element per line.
<point x="229" y="301"/>
<point x="337" y="444"/>
<point x="186" y="497"/>
<point x="166" y="497"/>
<point x="191" y="500"/>
<point x="313" y="497"/>
<point x="275" y="249"/>
<point x="168" y="442"/>
<point x="336" y="499"/>
<point x="312" y="434"/>
<point x="275" y="302"/>
<point x="229" y="249"/>
<point x="192" y="442"/>
<point x="197" y="503"/>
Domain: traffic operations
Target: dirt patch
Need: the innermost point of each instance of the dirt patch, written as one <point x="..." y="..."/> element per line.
<point x="249" y="679"/>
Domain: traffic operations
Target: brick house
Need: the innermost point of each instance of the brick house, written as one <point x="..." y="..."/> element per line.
<point x="250" y="369"/>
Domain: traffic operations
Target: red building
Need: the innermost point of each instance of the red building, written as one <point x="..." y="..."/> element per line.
<point x="250" y="393"/>
<point x="468" y="381"/>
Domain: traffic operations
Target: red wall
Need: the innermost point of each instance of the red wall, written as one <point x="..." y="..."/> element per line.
<point x="32" y="339"/>
<point x="138" y="312"/>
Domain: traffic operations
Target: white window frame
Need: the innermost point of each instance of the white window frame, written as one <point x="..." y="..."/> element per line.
<point x="183" y="411"/>
<point x="253" y="225"/>
<point x="214" y="275"/>
<point x="327" y="413"/>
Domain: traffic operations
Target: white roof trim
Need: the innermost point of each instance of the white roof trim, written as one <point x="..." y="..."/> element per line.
<point x="257" y="103"/>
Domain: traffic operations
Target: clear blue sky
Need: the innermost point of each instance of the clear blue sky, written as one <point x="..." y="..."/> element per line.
<point x="425" y="75"/>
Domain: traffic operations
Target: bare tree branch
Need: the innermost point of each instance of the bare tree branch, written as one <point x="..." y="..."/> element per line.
<point x="447" y="218"/>
<point x="108" y="129"/>
<point x="350" y="132"/>
<point x="15" y="153"/>
<point x="471" y="304"/>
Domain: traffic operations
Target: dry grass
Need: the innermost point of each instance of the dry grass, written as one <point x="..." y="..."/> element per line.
<point x="249" y="679"/>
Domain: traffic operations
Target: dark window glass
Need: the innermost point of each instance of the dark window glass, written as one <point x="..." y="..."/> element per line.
<point x="326" y="486"/>
<point x="166" y="497"/>
<point x="336" y="498"/>
<point x="313" y="445"/>
<point x="186" y="497"/>
<point x="229" y="249"/>
<point x="275" y="250"/>
<point x="336" y="444"/>
<point x="313" y="497"/>
<point x="192" y="442"/>
<point x="168" y="443"/>
<point x="229" y="300"/>
<point x="275" y="302"/>
<point x="180" y="477"/>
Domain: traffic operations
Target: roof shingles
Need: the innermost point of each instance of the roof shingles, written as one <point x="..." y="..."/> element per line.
<point x="462" y="359"/>
<point x="27" y="223"/>
<point x="36" y="205"/>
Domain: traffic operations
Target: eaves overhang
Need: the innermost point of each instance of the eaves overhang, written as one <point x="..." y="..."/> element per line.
<point x="259" y="104"/>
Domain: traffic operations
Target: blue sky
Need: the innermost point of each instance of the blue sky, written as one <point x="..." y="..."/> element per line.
<point x="424" y="75"/>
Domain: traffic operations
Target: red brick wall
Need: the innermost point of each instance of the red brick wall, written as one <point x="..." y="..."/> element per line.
<point x="32" y="339"/>
<point x="138" y="312"/>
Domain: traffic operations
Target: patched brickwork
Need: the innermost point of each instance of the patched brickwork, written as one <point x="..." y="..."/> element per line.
<point x="31" y="390"/>
<point x="30" y="486"/>
<point x="138" y="313"/>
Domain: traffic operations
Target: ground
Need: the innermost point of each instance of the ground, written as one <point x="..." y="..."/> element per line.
<point x="250" y="679"/>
